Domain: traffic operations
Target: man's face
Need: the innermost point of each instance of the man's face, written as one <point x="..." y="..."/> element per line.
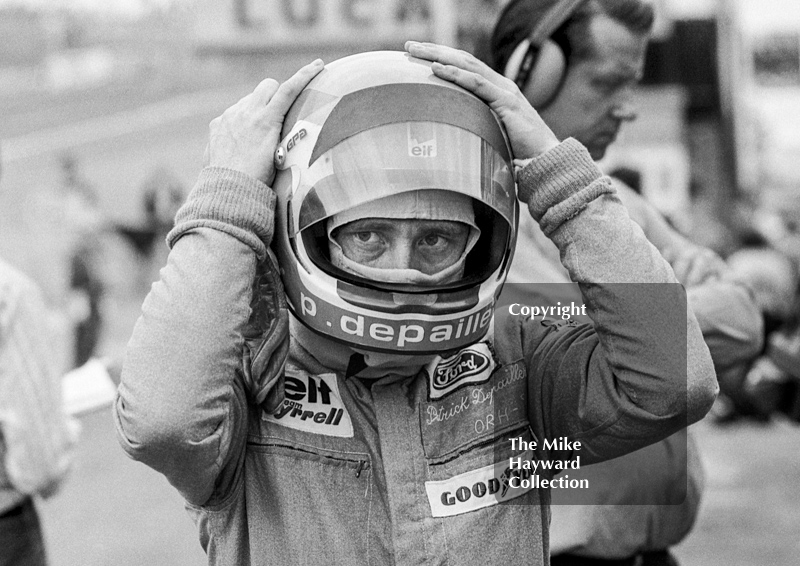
<point x="428" y="246"/>
<point x="595" y="98"/>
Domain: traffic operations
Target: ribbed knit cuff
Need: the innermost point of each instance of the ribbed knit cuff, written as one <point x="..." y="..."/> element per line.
<point x="232" y="202"/>
<point x="555" y="176"/>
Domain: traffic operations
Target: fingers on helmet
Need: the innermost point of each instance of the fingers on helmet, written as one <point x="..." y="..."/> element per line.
<point x="446" y="55"/>
<point x="474" y="82"/>
<point x="265" y="90"/>
<point x="289" y="90"/>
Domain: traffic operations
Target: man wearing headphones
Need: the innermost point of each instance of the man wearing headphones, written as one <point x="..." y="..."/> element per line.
<point x="576" y="61"/>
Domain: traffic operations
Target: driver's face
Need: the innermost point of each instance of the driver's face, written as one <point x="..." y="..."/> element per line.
<point x="428" y="246"/>
<point x="595" y="98"/>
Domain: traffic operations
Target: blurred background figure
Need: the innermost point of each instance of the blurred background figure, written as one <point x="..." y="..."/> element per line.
<point x="162" y="193"/>
<point x="770" y="384"/>
<point x="84" y="222"/>
<point x="79" y="192"/>
<point x="36" y="436"/>
<point x="778" y="229"/>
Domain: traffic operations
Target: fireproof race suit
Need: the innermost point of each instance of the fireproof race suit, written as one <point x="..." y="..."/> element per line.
<point x="409" y="465"/>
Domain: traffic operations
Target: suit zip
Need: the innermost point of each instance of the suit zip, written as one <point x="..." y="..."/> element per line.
<point x="361" y="464"/>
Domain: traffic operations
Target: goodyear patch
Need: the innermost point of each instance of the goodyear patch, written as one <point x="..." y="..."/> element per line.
<point x="312" y="404"/>
<point x="469" y="366"/>
<point x="477" y="489"/>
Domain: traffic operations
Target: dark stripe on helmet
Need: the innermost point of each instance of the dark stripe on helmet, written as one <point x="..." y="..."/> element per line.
<point x="408" y="102"/>
<point x="312" y="208"/>
<point x="307" y="102"/>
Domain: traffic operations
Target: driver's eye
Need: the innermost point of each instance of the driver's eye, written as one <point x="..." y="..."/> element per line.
<point x="432" y="239"/>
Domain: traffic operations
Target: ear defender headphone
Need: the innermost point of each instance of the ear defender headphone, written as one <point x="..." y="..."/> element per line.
<point x="540" y="61"/>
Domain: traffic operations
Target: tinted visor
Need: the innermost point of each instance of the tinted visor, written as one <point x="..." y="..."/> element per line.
<point x="400" y="157"/>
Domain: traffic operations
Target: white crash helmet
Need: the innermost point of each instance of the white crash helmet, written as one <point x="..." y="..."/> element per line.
<point x="370" y="126"/>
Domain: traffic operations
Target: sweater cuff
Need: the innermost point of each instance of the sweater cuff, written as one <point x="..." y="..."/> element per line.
<point x="556" y="175"/>
<point x="232" y="202"/>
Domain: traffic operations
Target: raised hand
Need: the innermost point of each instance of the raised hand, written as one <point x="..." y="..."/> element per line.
<point x="244" y="138"/>
<point x="528" y="134"/>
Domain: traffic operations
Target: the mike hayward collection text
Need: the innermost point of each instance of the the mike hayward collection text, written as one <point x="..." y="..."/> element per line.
<point x="527" y="477"/>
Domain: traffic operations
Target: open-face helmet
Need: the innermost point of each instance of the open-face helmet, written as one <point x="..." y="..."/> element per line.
<point x="373" y="125"/>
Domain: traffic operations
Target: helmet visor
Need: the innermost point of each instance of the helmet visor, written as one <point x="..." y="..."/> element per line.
<point x="400" y="157"/>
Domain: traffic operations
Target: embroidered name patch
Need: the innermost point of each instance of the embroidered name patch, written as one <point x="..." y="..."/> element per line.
<point x="477" y="489"/>
<point x="469" y="366"/>
<point x="313" y="404"/>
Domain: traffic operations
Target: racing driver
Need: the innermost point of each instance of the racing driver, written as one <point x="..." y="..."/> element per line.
<point x="321" y="372"/>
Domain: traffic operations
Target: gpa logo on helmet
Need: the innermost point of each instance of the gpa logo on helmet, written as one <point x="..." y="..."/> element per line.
<point x="470" y="366"/>
<point x="421" y="140"/>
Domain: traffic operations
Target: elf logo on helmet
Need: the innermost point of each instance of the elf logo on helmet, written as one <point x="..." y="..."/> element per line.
<point x="470" y="366"/>
<point x="421" y="140"/>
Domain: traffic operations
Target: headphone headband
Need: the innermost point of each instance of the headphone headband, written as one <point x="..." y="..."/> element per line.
<point x="521" y="63"/>
<point x="554" y="19"/>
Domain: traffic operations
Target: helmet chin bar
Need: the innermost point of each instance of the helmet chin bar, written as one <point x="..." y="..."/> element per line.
<point x="404" y="332"/>
<point x="387" y="321"/>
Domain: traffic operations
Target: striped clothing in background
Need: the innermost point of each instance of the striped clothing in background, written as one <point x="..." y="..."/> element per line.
<point x="36" y="437"/>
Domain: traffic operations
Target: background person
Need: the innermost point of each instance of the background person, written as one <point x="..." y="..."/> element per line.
<point x="162" y="195"/>
<point x="85" y="223"/>
<point x="577" y="63"/>
<point x="36" y="437"/>
<point x="769" y="384"/>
